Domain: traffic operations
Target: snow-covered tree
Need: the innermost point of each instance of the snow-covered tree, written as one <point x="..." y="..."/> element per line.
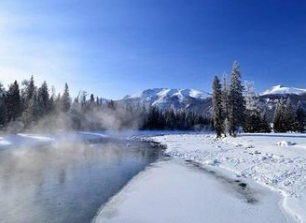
<point x="252" y="116"/>
<point x="218" y="116"/>
<point x="52" y="100"/>
<point x="225" y="102"/>
<point x="27" y="91"/>
<point x="43" y="99"/>
<point x="251" y="100"/>
<point x="32" y="113"/>
<point x="236" y="101"/>
<point x="30" y="89"/>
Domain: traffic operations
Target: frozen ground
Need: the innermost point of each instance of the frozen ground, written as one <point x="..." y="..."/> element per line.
<point x="173" y="192"/>
<point x="277" y="161"/>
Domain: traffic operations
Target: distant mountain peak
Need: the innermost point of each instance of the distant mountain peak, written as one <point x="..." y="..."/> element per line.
<point x="167" y="97"/>
<point x="283" y="90"/>
<point x="170" y="92"/>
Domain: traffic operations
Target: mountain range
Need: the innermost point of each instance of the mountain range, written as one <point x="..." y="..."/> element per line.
<point x="201" y="101"/>
<point x="167" y="98"/>
<point x="282" y="90"/>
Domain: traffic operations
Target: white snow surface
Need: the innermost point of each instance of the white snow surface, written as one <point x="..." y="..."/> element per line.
<point x="172" y="192"/>
<point x="4" y="142"/>
<point x="27" y="139"/>
<point x="37" y="137"/>
<point x="259" y="157"/>
<point x="282" y="90"/>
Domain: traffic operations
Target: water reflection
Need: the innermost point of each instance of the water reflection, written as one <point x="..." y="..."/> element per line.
<point x="66" y="182"/>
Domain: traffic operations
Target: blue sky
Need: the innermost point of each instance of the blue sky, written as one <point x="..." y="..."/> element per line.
<point x="116" y="47"/>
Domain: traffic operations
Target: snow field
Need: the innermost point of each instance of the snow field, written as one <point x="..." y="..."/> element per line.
<point x="274" y="160"/>
<point x="168" y="191"/>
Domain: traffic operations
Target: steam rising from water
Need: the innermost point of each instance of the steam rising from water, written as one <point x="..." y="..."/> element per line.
<point x="65" y="182"/>
<point x="105" y="119"/>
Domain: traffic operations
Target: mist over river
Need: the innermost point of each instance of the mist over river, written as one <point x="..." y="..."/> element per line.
<point x="65" y="181"/>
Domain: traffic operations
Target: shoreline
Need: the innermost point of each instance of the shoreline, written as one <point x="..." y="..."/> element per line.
<point x="289" y="204"/>
<point x="173" y="190"/>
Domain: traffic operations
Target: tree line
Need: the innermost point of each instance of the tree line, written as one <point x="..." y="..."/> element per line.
<point x="236" y="108"/>
<point x="26" y="106"/>
<point x="156" y="119"/>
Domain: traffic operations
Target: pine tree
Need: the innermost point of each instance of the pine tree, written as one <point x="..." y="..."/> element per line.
<point x="65" y="100"/>
<point x="97" y="101"/>
<point x="153" y="119"/>
<point x="111" y="105"/>
<point x="30" y="89"/>
<point x="252" y="120"/>
<point x="264" y="123"/>
<point x="32" y="112"/>
<point x="52" y="99"/>
<point x="13" y="102"/>
<point x="92" y="99"/>
<point x="278" y="120"/>
<point x="225" y="103"/>
<point x="300" y="118"/>
<point x="43" y="99"/>
<point x="251" y="101"/>
<point x="289" y="116"/>
<point x="2" y="90"/>
<point x="3" y="111"/>
<point x="236" y="101"/>
<point x="217" y="107"/>
<point x="27" y="92"/>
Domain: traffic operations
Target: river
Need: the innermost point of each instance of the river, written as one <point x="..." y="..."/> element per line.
<point x="65" y="181"/>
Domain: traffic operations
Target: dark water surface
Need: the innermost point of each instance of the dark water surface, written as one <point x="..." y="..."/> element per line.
<point x="66" y="182"/>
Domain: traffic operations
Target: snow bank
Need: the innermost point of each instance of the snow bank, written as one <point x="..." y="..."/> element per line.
<point x="25" y="139"/>
<point x="93" y="135"/>
<point x="37" y="137"/>
<point x="21" y="140"/>
<point x="4" y="142"/>
<point x="259" y="157"/>
<point x="285" y="143"/>
<point x="171" y="192"/>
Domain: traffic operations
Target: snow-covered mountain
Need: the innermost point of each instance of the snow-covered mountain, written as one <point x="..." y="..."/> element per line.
<point x="166" y="98"/>
<point x="270" y="98"/>
<point x="282" y="90"/>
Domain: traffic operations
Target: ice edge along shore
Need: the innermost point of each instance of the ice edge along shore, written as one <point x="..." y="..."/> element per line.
<point x="272" y="160"/>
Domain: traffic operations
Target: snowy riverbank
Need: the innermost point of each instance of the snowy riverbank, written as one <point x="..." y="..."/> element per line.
<point x="30" y="139"/>
<point x="169" y="191"/>
<point x="274" y="160"/>
<point x="272" y="166"/>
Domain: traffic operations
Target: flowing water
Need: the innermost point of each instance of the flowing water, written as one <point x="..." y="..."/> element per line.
<point x="66" y="182"/>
